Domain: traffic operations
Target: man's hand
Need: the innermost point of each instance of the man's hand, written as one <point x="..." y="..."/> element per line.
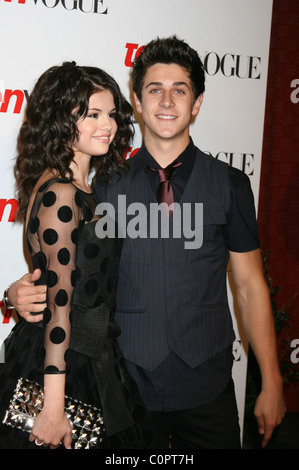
<point x="269" y="411"/>
<point x="24" y="295"/>
<point x="257" y="316"/>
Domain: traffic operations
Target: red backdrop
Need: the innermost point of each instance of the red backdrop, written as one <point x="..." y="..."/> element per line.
<point x="278" y="208"/>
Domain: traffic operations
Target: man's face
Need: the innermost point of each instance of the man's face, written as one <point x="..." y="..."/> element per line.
<point x="167" y="103"/>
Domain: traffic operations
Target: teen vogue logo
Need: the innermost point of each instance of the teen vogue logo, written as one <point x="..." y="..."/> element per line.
<point x="8" y="209"/>
<point x="229" y="65"/>
<point x="11" y="99"/>
<point x="85" y="6"/>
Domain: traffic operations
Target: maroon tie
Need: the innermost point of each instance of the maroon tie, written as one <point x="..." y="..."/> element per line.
<point x="165" y="192"/>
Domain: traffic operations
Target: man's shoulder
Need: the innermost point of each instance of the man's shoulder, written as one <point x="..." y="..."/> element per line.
<point x="137" y="161"/>
<point x="235" y="174"/>
<point x="210" y="161"/>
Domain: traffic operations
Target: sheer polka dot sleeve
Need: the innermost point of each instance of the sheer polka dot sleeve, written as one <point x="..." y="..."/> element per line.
<point x="58" y="220"/>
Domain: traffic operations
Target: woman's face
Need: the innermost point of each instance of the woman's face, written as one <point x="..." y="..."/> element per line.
<point x="98" y="128"/>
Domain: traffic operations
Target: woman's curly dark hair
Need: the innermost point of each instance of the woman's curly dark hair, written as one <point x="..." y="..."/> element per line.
<point x="59" y="98"/>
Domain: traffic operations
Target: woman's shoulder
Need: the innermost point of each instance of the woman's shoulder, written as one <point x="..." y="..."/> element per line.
<point x="56" y="185"/>
<point x="52" y="192"/>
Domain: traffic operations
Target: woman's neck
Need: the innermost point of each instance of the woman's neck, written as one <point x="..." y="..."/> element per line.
<point x="81" y="169"/>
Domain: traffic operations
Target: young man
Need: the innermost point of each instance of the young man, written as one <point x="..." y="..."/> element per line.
<point x="172" y="302"/>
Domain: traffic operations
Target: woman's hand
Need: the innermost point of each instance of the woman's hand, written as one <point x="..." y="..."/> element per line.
<point x="52" y="425"/>
<point x="52" y="428"/>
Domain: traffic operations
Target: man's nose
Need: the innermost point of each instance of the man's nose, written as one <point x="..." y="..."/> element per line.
<point x="167" y="99"/>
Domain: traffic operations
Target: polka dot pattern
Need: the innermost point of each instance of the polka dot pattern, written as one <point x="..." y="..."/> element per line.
<point x="52" y="278"/>
<point x="49" y="199"/>
<point x="50" y="236"/>
<point x="74" y="262"/>
<point x="57" y="335"/>
<point x="63" y="256"/>
<point x="34" y="224"/>
<point x="65" y="214"/>
<point x="47" y="315"/>
<point x="80" y="272"/>
<point x="58" y="216"/>
<point x="74" y="236"/>
<point x="61" y="298"/>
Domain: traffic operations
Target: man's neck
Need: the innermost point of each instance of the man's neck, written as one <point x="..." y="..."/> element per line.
<point x="165" y="152"/>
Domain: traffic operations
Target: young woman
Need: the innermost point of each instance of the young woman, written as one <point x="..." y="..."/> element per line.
<point x="76" y="121"/>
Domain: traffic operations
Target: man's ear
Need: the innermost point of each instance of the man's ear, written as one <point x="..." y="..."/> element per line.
<point x="197" y="105"/>
<point x="138" y="103"/>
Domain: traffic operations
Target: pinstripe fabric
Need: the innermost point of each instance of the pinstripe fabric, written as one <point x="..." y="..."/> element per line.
<point x="170" y="298"/>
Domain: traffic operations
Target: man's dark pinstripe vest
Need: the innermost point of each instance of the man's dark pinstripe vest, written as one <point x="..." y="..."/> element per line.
<point x="170" y="298"/>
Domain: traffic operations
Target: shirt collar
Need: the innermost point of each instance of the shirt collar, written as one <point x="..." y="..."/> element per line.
<point x="144" y="159"/>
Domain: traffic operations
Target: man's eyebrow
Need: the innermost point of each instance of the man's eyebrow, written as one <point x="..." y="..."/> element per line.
<point x="153" y="84"/>
<point x="161" y="84"/>
<point x="181" y="83"/>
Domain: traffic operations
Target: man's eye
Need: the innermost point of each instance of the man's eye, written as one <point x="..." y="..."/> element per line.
<point x="155" y="91"/>
<point x="179" y="92"/>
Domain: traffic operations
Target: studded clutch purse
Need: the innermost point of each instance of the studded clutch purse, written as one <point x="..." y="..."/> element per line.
<point x="87" y="421"/>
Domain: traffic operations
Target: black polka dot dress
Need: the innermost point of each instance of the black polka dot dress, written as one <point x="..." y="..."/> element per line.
<point x="78" y="335"/>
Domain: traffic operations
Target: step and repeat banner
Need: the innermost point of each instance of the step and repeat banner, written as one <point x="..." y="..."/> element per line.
<point x="232" y="37"/>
